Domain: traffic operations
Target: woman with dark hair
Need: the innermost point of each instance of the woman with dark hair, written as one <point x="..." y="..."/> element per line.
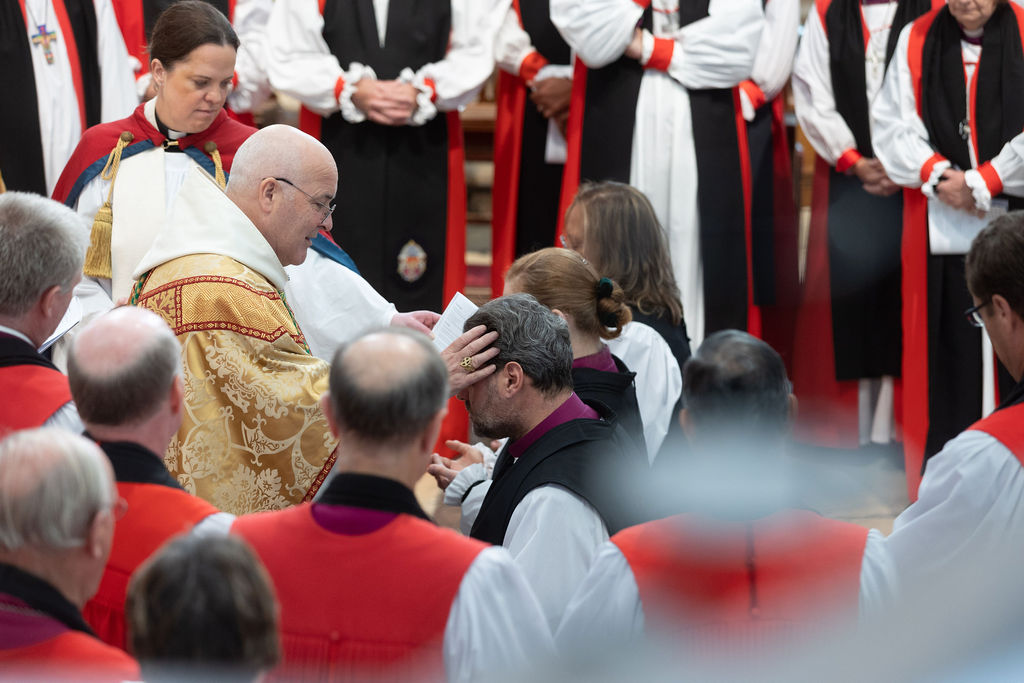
<point x="595" y="310"/>
<point x="125" y="175"/>
<point x="613" y="226"/>
<point x="203" y="609"/>
<point x="945" y="122"/>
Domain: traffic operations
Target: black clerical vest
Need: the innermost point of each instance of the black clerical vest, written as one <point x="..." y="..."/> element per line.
<point x="395" y="178"/>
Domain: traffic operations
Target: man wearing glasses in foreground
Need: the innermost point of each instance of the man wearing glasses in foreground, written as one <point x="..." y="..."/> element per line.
<point x="971" y="501"/>
<point x="252" y="436"/>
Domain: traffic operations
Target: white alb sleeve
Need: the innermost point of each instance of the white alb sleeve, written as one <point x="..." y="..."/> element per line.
<point x="495" y="626"/>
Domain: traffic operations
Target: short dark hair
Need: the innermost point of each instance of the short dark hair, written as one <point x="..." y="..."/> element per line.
<point x="132" y="393"/>
<point x="735" y="380"/>
<point x="186" y="25"/>
<point x="995" y="262"/>
<point x="203" y="606"/>
<point x="531" y="335"/>
<point x="393" y="410"/>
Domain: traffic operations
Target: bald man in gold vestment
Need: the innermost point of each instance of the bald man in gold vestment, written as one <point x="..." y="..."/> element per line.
<point x="253" y="435"/>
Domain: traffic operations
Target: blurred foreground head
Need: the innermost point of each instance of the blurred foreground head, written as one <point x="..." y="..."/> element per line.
<point x="57" y="509"/>
<point x="735" y="388"/>
<point x="203" y="609"/>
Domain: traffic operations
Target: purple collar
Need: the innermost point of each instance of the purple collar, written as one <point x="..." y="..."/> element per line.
<point x="972" y="40"/>
<point x="571" y="409"/>
<point x="602" y="360"/>
<point x="875" y="2"/>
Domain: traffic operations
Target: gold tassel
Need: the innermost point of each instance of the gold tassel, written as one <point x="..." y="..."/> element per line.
<point x="211" y="149"/>
<point x="97" y="258"/>
<point x="3" y="185"/>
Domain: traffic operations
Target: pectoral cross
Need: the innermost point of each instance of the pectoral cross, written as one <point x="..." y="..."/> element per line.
<point x="44" y="38"/>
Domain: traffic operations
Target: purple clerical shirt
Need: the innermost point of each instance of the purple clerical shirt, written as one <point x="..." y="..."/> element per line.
<point x="571" y="409"/>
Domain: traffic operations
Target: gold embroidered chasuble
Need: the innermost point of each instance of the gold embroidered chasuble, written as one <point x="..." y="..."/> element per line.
<point x="253" y="436"/>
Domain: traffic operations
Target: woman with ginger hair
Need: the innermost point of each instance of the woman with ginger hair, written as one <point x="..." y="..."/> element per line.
<point x="595" y="309"/>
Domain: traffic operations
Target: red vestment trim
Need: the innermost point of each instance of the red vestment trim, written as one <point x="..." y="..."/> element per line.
<point x="72" y="654"/>
<point x="991" y="177"/>
<point x="1007" y="427"/>
<point x="754" y="93"/>
<point x="508" y="147"/>
<point x="847" y="161"/>
<point x="573" y="140"/>
<point x="753" y="311"/>
<point x="661" y="55"/>
<point x="532" y="63"/>
<point x="30" y="395"/>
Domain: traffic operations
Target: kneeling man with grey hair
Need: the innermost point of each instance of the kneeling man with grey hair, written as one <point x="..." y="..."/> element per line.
<point x="58" y="506"/>
<point x="551" y="498"/>
<point x="368" y="585"/>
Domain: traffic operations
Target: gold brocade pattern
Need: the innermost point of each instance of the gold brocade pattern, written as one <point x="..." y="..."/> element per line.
<point x="253" y="436"/>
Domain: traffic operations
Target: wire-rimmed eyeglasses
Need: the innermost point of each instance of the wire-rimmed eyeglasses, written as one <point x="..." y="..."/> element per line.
<point x="325" y="209"/>
<point x="973" y="314"/>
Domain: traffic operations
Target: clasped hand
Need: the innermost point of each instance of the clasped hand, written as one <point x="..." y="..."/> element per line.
<point x="390" y="103"/>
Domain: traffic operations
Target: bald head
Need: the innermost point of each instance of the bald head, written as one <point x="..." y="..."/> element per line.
<point x="387" y="386"/>
<point x="121" y="367"/>
<point x="284" y="180"/>
<point x="52" y="484"/>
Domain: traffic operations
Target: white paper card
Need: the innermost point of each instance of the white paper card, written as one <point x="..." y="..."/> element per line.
<point x="950" y="230"/>
<point x="555" y="150"/>
<point x="72" y="317"/>
<point x="449" y="327"/>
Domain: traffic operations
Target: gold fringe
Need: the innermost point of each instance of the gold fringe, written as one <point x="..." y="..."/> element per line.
<point x="3" y="185"/>
<point x="211" y="149"/>
<point x="97" y="258"/>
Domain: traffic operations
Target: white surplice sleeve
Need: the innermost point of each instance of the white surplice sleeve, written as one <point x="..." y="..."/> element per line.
<point x="495" y="626"/>
<point x="968" y="510"/>
<point x="598" y="31"/>
<point x="250" y="23"/>
<point x="716" y="51"/>
<point x="659" y="381"/>
<point x="470" y="59"/>
<point x="777" y="47"/>
<point x="812" y="96"/>
<point x="553" y="535"/>
<point x="332" y="304"/>
<point x="606" y="610"/>
<point x="898" y="135"/>
<point x="878" y="578"/>
<point x="512" y="44"/>
<point x="299" y="62"/>
<point x="117" y="75"/>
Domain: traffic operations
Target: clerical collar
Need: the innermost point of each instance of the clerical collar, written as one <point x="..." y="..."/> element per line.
<point x="11" y="332"/>
<point x="168" y="133"/>
<point x="1015" y="396"/>
<point x="572" y="408"/>
<point x="135" y="464"/>
<point x="875" y="2"/>
<point x="602" y="360"/>
<point x="41" y="597"/>
<point x="362" y="503"/>
<point x="972" y="37"/>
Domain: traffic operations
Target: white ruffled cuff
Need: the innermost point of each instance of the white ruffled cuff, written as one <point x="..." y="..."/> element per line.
<point x="746" y="106"/>
<point x="425" y="109"/>
<point x="646" y="47"/>
<point x="554" y="71"/>
<point x="466" y="479"/>
<point x="356" y="72"/>
<point x="982" y="197"/>
<point x="928" y="188"/>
